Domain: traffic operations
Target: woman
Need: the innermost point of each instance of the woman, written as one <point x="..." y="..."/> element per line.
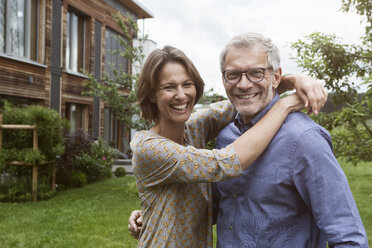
<point x="172" y="175"/>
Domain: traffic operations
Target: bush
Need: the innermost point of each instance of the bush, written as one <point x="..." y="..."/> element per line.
<point x="120" y="172"/>
<point x="18" y="146"/>
<point x="19" y="189"/>
<point x="50" y="127"/>
<point x="84" y="155"/>
<point x="76" y="144"/>
<point x="77" y="179"/>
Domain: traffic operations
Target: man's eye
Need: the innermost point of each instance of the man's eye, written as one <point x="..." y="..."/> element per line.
<point x="233" y="75"/>
<point x="256" y="73"/>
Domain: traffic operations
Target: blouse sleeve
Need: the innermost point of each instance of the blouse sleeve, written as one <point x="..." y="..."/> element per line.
<point x="208" y="122"/>
<point x="158" y="161"/>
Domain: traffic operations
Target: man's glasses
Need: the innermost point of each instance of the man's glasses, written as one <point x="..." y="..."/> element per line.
<point x="254" y="75"/>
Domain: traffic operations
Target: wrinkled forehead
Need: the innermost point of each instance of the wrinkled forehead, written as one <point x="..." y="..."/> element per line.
<point x="243" y="58"/>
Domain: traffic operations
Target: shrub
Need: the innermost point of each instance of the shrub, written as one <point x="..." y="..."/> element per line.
<point x="120" y="172"/>
<point x="50" y="127"/>
<point x="18" y="146"/>
<point x="84" y="155"/>
<point x="77" y="179"/>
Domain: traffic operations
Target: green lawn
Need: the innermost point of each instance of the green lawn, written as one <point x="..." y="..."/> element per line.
<point x="96" y="215"/>
<point x="93" y="216"/>
<point x="360" y="181"/>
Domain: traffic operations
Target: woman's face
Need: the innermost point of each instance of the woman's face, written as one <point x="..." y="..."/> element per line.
<point x="175" y="94"/>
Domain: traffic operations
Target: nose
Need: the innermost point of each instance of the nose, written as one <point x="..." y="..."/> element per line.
<point x="181" y="92"/>
<point x="244" y="83"/>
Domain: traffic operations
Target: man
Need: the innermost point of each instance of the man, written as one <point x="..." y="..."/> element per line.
<point x="295" y="194"/>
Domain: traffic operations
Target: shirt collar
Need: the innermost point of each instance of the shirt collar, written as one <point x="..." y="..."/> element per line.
<point x="245" y="126"/>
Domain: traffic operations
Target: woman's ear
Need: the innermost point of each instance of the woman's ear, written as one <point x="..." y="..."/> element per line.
<point x="152" y="98"/>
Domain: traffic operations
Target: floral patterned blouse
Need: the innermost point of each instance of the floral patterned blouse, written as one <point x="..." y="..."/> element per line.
<point x="173" y="180"/>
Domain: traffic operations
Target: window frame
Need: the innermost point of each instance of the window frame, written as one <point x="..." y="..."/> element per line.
<point x="30" y="32"/>
<point x="80" y="43"/>
<point x="111" y="58"/>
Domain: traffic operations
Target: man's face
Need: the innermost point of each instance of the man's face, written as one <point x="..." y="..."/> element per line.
<point x="250" y="98"/>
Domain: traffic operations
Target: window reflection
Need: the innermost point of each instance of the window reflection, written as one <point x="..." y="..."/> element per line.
<point x="18" y="28"/>
<point x="75" y="42"/>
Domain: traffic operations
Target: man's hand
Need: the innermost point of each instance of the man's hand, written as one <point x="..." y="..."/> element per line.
<point x="135" y="223"/>
<point x="309" y="90"/>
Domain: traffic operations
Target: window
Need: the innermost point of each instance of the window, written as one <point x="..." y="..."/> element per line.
<point x="108" y="126"/>
<point x="76" y="114"/>
<point x="114" y="60"/>
<point x="18" y="23"/>
<point x="75" y="42"/>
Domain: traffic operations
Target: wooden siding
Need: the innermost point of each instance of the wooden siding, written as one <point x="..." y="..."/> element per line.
<point x="32" y="79"/>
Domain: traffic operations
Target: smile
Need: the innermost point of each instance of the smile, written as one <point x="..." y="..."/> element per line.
<point x="179" y="107"/>
<point x="247" y="96"/>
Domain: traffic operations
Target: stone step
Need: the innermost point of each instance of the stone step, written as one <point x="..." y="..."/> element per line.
<point x="124" y="163"/>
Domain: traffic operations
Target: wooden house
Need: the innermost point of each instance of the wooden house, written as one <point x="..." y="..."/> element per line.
<point x="45" y="45"/>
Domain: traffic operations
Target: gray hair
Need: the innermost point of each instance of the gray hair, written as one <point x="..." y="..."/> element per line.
<point x="249" y="40"/>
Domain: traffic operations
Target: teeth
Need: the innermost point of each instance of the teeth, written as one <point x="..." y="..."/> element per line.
<point x="180" y="107"/>
<point x="247" y="96"/>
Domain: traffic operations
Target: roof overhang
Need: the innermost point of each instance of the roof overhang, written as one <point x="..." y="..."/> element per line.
<point x="140" y="10"/>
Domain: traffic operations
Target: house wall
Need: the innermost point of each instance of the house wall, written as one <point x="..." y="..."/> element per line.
<point x="47" y="81"/>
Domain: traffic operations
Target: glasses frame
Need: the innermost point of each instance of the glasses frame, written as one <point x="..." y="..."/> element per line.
<point x="246" y="75"/>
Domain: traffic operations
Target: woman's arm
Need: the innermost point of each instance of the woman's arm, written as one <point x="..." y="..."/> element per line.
<point x="310" y="91"/>
<point x="253" y="142"/>
<point x="212" y="119"/>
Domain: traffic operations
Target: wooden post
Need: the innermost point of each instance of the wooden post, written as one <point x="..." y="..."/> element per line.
<point x="1" y="131"/>
<point x="54" y="178"/>
<point x="34" y="170"/>
<point x="1" y="139"/>
<point x="34" y="183"/>
<point x="36" y="146"/>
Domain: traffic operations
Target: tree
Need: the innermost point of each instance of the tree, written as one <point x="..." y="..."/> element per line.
<point x="119" y="91"/>
<point x="340" y="66"/>
<point x="210" y="96"/>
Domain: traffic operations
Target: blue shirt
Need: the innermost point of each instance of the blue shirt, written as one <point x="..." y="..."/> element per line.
<point x="294" y="195"/>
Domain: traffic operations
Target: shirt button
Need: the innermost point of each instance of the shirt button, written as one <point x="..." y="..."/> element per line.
<point x="234" y="196"/>
<point x="230" y="227"/>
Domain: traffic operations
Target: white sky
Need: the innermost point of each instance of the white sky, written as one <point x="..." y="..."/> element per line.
<point x="201" y="28"/>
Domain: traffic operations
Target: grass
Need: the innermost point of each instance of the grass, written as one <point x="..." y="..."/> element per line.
<point x="360" y="181"/>
<point x="93" y="216"/>
<point x="97" y="215"/>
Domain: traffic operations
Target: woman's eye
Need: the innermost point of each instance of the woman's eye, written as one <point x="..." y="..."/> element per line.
<point x="188" y="85"/>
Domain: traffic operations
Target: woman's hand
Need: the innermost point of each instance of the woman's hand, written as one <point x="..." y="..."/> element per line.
<point x="135" y="223"/>
<point x="308" y="89"/>
<point x="292" y="103"/>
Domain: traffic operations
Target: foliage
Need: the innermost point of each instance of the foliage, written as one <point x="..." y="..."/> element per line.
<point x="84" y="160"/>
<point x="210" y="97"/>
<point x="340" y="66"/>
<point x="48" y="122"/>
<point x="120" y="91"/>
<point x="18" y="146"/>
<point x="364" y="9"/>
<point x="120" y="172"/>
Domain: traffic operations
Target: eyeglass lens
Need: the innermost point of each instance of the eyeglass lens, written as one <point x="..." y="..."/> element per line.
<point x="254" y="75"/>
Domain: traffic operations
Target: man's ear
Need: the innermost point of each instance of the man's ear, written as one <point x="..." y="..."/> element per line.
<point x="277" y="77"/>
